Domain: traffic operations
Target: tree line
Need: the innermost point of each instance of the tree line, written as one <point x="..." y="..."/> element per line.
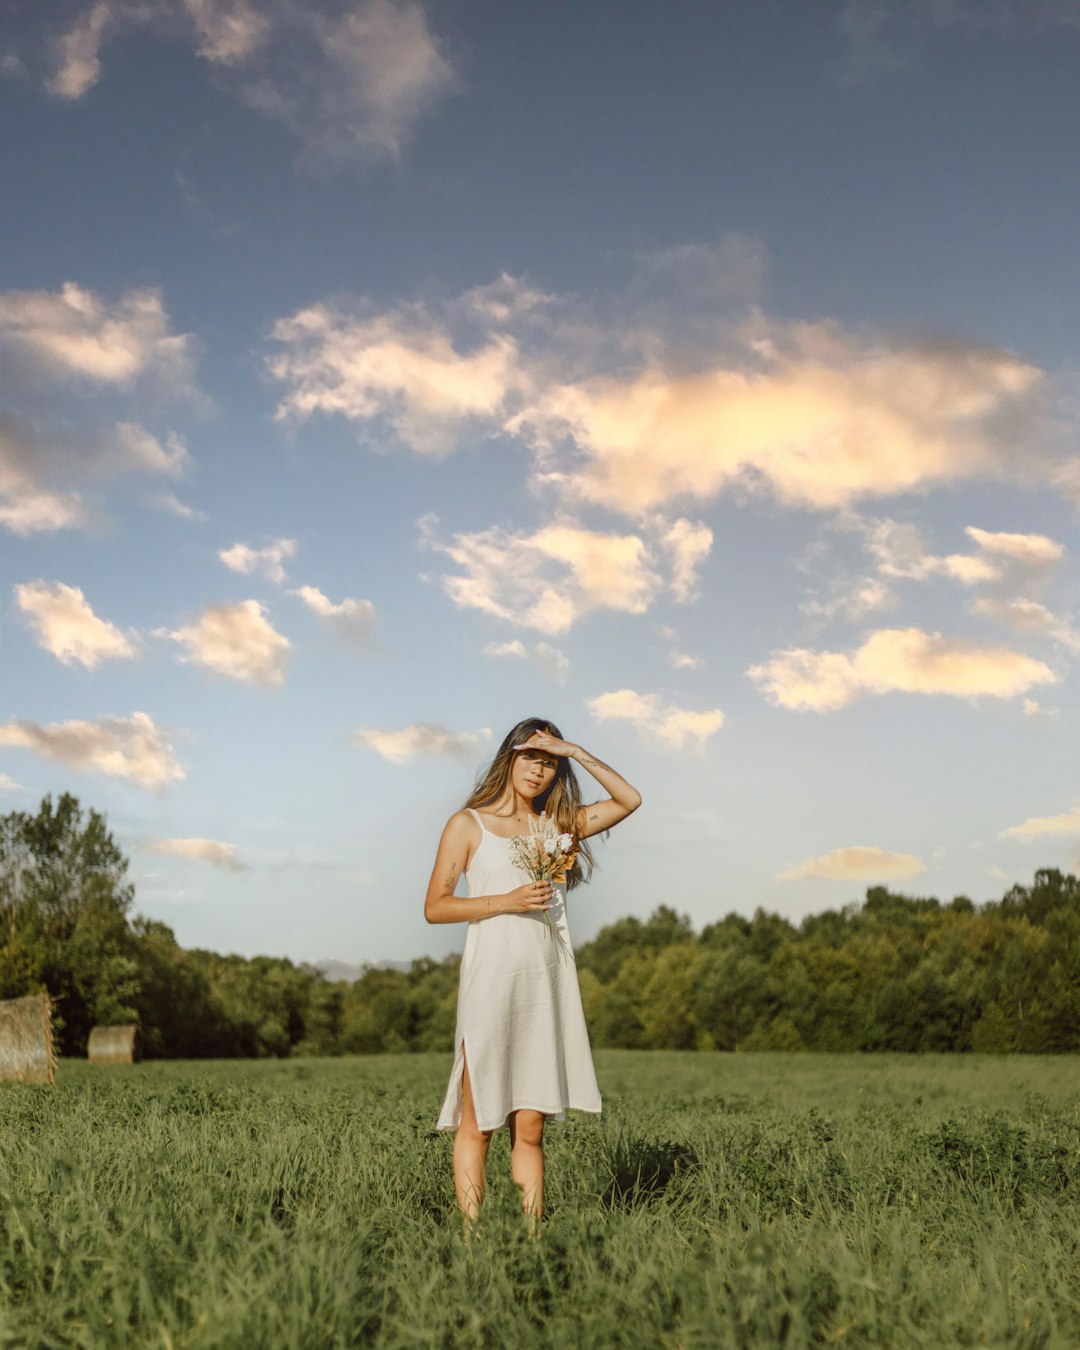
<point x="893" y="972"/>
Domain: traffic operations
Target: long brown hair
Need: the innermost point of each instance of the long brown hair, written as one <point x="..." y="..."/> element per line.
<point x="561" y="801"/>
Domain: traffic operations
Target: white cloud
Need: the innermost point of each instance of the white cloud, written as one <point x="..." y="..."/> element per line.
<point x="896" y="660"/>
<point x="543" y="654"/>
<point x="211" y="851"/>
<point x="689" y="545"/>
<point x="996" y="871"/>
<point x="65" y="625"/>
<point x="669" y="724"/>
<point x="684" y="661"/>
<point x="228" y="31"/>
<point x="379" y="69"/>
<point x="900" y="552"/>
<point x="1033" y="708"/>
<point x="859" y="862"/>
<point x="1035" y="827"/>
<point x="145" y="451"/>
<point x="851" y="599"/>
<point x="898" y="549"/>
<point x="969" y="570"/>
<point x="401" y="368"/>
<point x="814" y="415"/>
<point x="27" y="506"/>
<point x="236" y="641"/>
<point x="548" y="579"/>
<point x="76" y="53"/>
<point x="8" y="784"/>
<point x="818" y="418"/>
<point x="74" y="333"/>
<point x="353" y="618"/>
<point x="37" y="471"/>
<point x="126" y="747"/>
<point x="350" y="81"/>
<point x="1033" y="550"/>
<point x="1027" y="616"/>
<point x="423" y="738"/>
<point x="266" y="561"/>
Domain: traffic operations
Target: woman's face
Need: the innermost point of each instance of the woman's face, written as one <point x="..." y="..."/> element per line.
<point x="532" y="772"/>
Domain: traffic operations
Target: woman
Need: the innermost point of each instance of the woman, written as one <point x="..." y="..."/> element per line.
<point x="521" y="1046"/>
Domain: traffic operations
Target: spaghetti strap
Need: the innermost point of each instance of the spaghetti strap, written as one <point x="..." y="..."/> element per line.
<point x="479" y="822"/>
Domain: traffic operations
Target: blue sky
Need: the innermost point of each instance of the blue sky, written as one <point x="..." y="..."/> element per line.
<point x="703" y="377"/>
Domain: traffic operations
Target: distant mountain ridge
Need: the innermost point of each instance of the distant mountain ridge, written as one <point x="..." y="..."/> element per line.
<point x="350" y="973"/>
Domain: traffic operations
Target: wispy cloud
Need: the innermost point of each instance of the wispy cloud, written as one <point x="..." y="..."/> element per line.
<point x="890" y="660"/>
<point x="126" y="747"/>
<point x="75" y="333"/>
<point x="401" y="369"/>
<point x="900" y="552"/>
<point x="810" y="413"/>
<point x="850" y="598"/>
<point x="886" y="37"/>
<point x="1032" y="550"/>
<point x="1027" y="616"/>
<point x="28" y="502"/>
<point x="550" y="578"/>
<point x="351" y="81"/>
<point x="689" y="545"/>
<point x="267" y="561"/>
<point x="859" y="862"/>
<point x="171" y="504"/>
<point x="352" y="618"/>
<point x="720" y="271"/>
<point x="76" y="59"/>
<point x="1036" y="827"/>
<point x="8" y="784"/>
<point x="542" y="654"/>
<point x="69" y="357"/>
<point x="421" y="738"/>
<point x="666" y="723"/>
<point x="212" y="851"/>
<point x="143" y="450"/>
<point x="236" y="641"/>
<point x="64" y="624"/>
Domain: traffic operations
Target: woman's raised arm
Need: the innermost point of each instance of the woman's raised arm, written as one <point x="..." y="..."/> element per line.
<point x="599" y="816"/>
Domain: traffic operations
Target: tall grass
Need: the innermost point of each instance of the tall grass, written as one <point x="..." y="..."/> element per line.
<point x="720" y="1201"/>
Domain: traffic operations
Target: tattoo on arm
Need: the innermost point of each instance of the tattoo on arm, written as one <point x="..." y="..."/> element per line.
<point x="594" y="816"/>
<point x="451" y="878"/>
<point x="589" y="763"/>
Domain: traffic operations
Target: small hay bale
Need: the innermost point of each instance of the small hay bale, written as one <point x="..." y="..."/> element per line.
<point x="113" y="1045"/>
<point x="26" y="1040"/>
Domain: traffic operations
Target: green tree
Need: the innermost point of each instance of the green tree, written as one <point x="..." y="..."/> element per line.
<point x="65" y="921"/>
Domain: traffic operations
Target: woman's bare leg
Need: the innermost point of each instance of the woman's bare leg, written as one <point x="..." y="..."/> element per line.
<point x="470" y="1152"/>
<point x="527" y="1159"/>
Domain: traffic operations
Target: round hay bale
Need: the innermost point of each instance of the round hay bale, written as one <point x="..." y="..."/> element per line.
<point x="113" y="1045"/>
<point x="26" y="1040"/>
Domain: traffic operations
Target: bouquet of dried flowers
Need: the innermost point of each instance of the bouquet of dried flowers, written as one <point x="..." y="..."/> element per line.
<point x="546" y="855"/>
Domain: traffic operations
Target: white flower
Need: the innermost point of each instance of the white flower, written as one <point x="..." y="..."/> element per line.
<point x="565" y="841"/>
<point x="550" y="845"/>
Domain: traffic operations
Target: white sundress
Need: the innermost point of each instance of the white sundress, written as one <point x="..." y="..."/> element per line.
<point x="519" y="1018"/>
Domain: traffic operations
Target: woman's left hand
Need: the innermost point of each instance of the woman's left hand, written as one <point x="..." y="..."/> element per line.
<point x="550" y="745"/>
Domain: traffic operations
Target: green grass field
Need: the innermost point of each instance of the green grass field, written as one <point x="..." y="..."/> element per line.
<point x="721" y="1200"/>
